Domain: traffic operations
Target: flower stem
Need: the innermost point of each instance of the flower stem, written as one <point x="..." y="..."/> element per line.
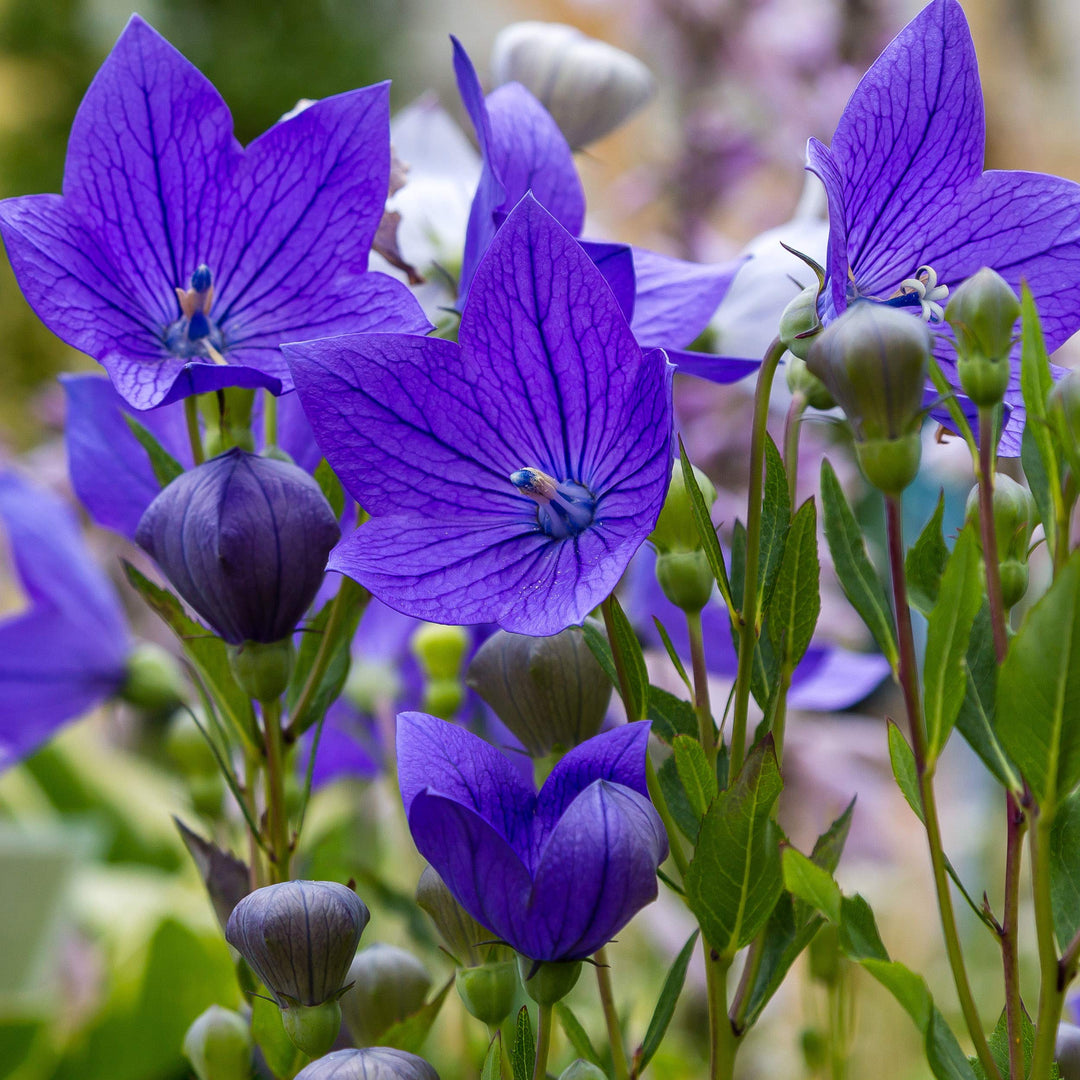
<point x="702" y="706"/>
<point x="909" y="684"/>
<point x="276" y="813"/>
<point x="1010" y="934"/>
<point x="723" y="1044"/>
<point x="792" y="427"/>
<point x="191" y="416"/>
<point x="270" y="421"/>
<point x="1052" y="981"/>
<point x="543" y="1042"/>
<point x="617" y="657"/>
<point x="611" y="1015"/>
<point x="751" y="966"/>
<point x="989" y="533"/>
<point x="748" y="616"/>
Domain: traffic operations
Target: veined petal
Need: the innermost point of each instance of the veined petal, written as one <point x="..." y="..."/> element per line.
<point x="616" y="263"/>
<point x="820" y="161"/>
<point x="712" y="366"/>
<point x="828" y="679"/>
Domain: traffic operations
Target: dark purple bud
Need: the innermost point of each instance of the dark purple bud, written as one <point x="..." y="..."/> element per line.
<point x="373" y="1063"/>
<point x="299" y="938"/>
<point x="244" y="540"/>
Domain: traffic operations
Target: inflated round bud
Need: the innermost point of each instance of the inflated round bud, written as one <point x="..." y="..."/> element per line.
<point x="299" y="938"/>
<point x="580" y="1069"/>
<point x="461" y="933"/>
<point x="676" y="527"/>
<point x="685" y="578"/>
<point x="371" y="1063"/>
<point x="440" y="650"/>
<point x="388" y="986"/>
<point x="983" y="313"/>
<point x="800" y="324"/>
<point x="1063" y="406"/>
<point x="154" y="683"/>
<point x="890" y="464"/>
<point x="588" y="86"/>
<point x="549" y="981"/>
<point x="1067" y="1051"/>
<point x="218" y="1044"/>
<point x="801" y="380"/>
<point x="1015" y="517"/>
<point x="549" y="691"/>
<point x="244" y="540"/>
<point x="488" y="991"/>
<point x="262" y="668"/>
<point x="313" y="1029"/>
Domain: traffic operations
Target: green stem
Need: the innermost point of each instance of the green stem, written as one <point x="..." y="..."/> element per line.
<point x="611" y="1015"/>
<point x="543" y="1042"/>
<point x="723" y="1044"/>
<point x="270" y="421"/>
<point x="741" y="1005"/>
<point x="989" y="533"/>
<point x="748" y="616"/>
<point x="1016" y="824"/>
<point x="276" y="812"/>
<point x="656" y="795"/>
<point x="191" y="416"/>
<point x="617" y="657"/>
<point x="256" y="871"/>
<point x="909" y="677"/>
<point x="702" y="706"/>
<point x="792" y="427"/>
<point x="1052" y="983"/>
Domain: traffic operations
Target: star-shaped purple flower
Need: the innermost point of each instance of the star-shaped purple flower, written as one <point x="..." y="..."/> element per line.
<point x="912" y="214"/>
<point x="68" y="651"/>
<point x="181" y="260"/>
<point x="510" y="476"/>
<point x="555" y="874"/>
<point x="667" y="301"/>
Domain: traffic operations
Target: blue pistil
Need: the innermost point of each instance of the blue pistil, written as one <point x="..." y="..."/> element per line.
<point x="563" y="508"/>
<point x="194" y="333"/>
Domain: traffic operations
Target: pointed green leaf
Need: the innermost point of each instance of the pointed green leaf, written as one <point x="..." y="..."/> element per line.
<point x="327" y="479"/>
<point x="796" y="598"/>
<point x="698" y="779"/>
<point x="829" y="846"/>
<point x="523" y="1059"/>
<point x="706" y="529"/>
<point x="166" y="468"/>
<point x="678" y="802"/>
<point x="670" y="715"/>
<point x="492" y="1069"/>
<point x="409" y="1034"/>
<point x="1065" y="869"/>
<point x="578" y="1036"/>
<point x="811" y="884"/>
<point x="673" y="656"/>
<point x="629" y="648"/>
<point x="665" y="1005"/>
<point x="925" y="562"/>
<point x="775" y="519"/>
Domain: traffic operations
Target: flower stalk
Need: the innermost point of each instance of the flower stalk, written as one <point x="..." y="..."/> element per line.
<point x="276" y="812"/>
<point x="543" y="1041"/>
<point x="1051" y="972"/>
<point x="702" y="706"/>
<point x="611" y="1015"/>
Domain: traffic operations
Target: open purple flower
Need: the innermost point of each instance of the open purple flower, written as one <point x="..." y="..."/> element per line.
<point x="668" y="301"/>
<point x="68" y="651"/>
<point x="912" y="214"/>
<point x="179" y="259"/>
<point x="555" y="874"/>
<point x="512" y="476"/>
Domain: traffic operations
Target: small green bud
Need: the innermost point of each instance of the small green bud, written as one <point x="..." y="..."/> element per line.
<point x="187" y="746"/>
<point x="262" y="670"/>
<point x="440" y="650"/>
<point x="890" y="464"/>
<point x="686" y="578"/>
<point x="313" y="1028"/>
<point x="550" y="691"/>
<point x="218" y="1045"/>
<point x="1063" y="406"/>
<point x="443" y="697"/>
<point x="549" y="981"/>
<point x="801" y="317"/>
<point x="1015" y="516"/>
<point x="388" y="986"/>
<point x="815" y="1049"/>
<point x="154" y="683"/>
<point x="983" y="313"/>
<point x="488" y="991"/>
<point x="801" y="380"/>
<point x="582" y="1070"/>
<point x="460" y="932"/>
<point x="371" y="1063"/>
<point x="676" y="528"/>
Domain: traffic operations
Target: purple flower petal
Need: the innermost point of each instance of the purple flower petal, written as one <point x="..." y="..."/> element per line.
<point x="616" y="263"/>
<point x="717" y="369"/>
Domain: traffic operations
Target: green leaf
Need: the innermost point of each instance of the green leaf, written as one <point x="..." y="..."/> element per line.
<point x="665" y="1005"/>
<point x="523" y="1058"/>
<point x="576" y="1033"/>
<point x="206" y="652"/>
<point x="166" y="467"/>
<point x="678" y="802"/>
<point x="1065" y="869"/>
<point x="1038" y="694"/>
<point x="629" y="648"/>
<point x="829" y="846"/>
<point x="698" y="779"/>
<point x="775" y="519"/>
<point x="945" y="671"/>
<point x="811" y="884"/>
<point x="796" y="598"/>
<point x="738" y="563"/>
<point x="1036" y="476"/>
<point x="925" y="562"/>
<point x="999" y="1047"/>
<point x="596" y="639"/>
<point x="734" y="878"/>
<point x="856" y="573"/>
<point x="706" y="530"/>
<point x="409" y="1034"/>
<point x="670" y="715"/>
<point x="492" y="1069"/>
<point x="673" y="656"/>
<point x="327" y="479"/>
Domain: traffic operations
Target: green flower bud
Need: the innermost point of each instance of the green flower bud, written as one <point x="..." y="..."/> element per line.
<point x="582" y="1070"/>
<point x="461" y="933"/>
<point x="549" y="981"/>
<point x="440" y="650"/>
<point x="550" y="691"/>
<point x="313" y="1029"/>
<point x="218" y="1045"/>
<point x="890" y="464"/>
<point x="299" y="938"/>
<point x="443" y="697"/>
<point x="388" y="985"/>
<point x="154" y="682"/>
<point x="686" y="578"/>
<point x="676" y="528"/>
<point x="1015" y="516"/>
<point x="815" y="1049"/>
<point x="801" y="380"/>
<point x="1063" y="406"/>
<point x="800" y="318"/>
<point x="488" y="991"/>
<point x="261" y="669"/>
<point x="983" y="313"/>
<point x="371" y="1063"/>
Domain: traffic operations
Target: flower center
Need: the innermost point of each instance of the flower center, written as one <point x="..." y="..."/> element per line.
<point x="194" y="334"/>
<point x="563" y="508"/>
<point x="921" y="292"/>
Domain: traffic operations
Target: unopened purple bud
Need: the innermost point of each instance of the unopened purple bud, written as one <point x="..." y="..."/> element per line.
<point x="372" y="1063"/>
<point x="244" y="540"/>
<point x="299" y="938"/>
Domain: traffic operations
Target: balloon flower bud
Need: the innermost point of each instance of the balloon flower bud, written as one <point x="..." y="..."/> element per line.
<point x="800" y="380"/>
<point x="440" y="652"/>
<point x="218" y="1045"/>
<point x="681" y="566"/>
<point x="1015" y="516"/>
<point x="800" y="324"/>
<point x="580" y="1069"/>
<point x="983" y="313"/>
<point x="388" y="986"/>
<point x="372" y="1063"/>
<point x="299" y="938"/>
<point x="550" y="691"/>
<point x="488" y="991"/>
<point x="244" y="540"/>
<point x="1063" y="406"/>
<point x="873" y="359"/>
<point x="465" y="939"/>
<point x="588" y="86"/>
<point x="549" y="981"/>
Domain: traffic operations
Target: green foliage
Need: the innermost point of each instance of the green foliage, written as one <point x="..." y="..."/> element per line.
<point x="409" y="1034"/>
<point x="698" y="779"/>
<point x="670" y="715"/>
<point x="523" y="1055"/>
<point x="678" y="802"/>
<point x="269" y="1033"/>
<point x="811" y="883"/>
<point x="1065" y="868"/>
<point x="578" y="1036"/>
<point x="331" y="487"/>
<point x="492" y="1068"/>
<point x="925" y="562"/>
<point x="665" y="1006"/>
<point x="775" y="519"/>
<point x="166" y="467"/>
<point x="629" y="648"/>
<point x="999" y="1047"/>
<point x="796" y="599"/>
<point x="709" y="542"/>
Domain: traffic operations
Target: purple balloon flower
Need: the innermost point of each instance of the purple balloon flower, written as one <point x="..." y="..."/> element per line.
<point x="668" y="301"/>
<point x="510" y="477"/>
<point x="68" y="651"/>
<point x="911" y="210"/>
<point x="181" y="260"/>
<point x="555" y="874"/>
